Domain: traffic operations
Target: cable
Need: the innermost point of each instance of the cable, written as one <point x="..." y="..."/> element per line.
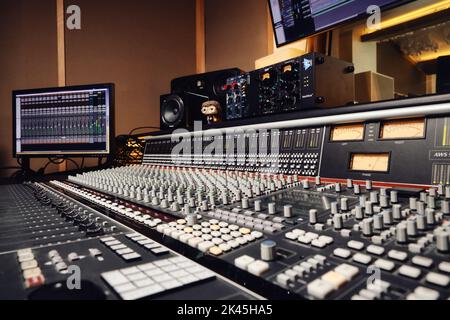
<point x="10" y="168"/>
<point x="140" y="128"/>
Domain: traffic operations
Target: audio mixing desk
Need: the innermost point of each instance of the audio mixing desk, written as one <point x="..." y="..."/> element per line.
<point x="346" y="206"/>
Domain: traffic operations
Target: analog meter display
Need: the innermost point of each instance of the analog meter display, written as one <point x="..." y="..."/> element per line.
<point x="351" y="132"/>
<point x="371" y="162"/>
<point x="403" y="129"/>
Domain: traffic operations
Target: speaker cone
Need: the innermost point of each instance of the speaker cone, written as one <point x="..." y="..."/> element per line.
<point x="172" y="110"/>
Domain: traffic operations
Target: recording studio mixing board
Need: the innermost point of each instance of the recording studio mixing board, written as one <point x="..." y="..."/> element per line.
<point x="347" y="206"/>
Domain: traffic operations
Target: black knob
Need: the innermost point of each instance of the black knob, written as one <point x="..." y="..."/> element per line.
<point x="86" y="224"/>
<point x="95" y="230"/>
<point x="320" y="100"/>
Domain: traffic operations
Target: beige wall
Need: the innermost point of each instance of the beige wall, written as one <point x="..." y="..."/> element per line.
<point x="236" y="33"/>
<point x="140" y="45"/>
<point x="27" y="59"/>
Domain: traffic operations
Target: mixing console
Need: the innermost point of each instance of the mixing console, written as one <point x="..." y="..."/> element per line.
<point x="54" y="247"/>
<point x="352" y="206"/>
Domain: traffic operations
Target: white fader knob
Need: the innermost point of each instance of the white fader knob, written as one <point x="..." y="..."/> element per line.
<point x="268" y="250"/>
<point x="442" y="242"/>
<point x="272" y="208"/>
<point x="287" y="211"/>
<point x="313" y="216"/>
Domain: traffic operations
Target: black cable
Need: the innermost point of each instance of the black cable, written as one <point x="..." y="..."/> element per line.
<point x="74" y="162"/>
<point x="82" y="163"/>
<point x="57" y="161"/>
<point x="140" y="128"/>
<point x="10" y="168"/>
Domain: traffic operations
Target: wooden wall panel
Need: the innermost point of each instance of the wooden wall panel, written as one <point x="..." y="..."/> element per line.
<point x="236" y="33"/>
<point x="139" y="45"/>
<point x="28" y="59"/>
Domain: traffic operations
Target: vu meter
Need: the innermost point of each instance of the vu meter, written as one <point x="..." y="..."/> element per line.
<point x="403" y="129"/>
<point x="371" y="162"/>
<point x="352" y="132"/>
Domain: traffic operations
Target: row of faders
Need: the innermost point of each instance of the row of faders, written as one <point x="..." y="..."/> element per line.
<point x="311" y="238"/>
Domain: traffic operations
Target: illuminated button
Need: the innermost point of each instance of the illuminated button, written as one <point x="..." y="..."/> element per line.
<point x="215" y="227"/>
<point x="243" y="261"/>
<point x="215" y="251"/>
<point x="337" y="280"/>
<point x="258" y="267"/>
<point x="181" y="221"/>
<point x="188" y="230"/>
<point x="320" y="289"/>
<point x="31" y="273"/>
<point x="348" y="271"/>
<point x="35" y="281"/>
<point x="245" y="231"/>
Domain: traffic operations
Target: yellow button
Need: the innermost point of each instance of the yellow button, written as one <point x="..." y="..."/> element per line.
<point x="181" y="221"/>
<point x="335" y="279"/>
<point x="188" y="230"/>
<point x="214" y="227"/>
<point x="245" y="231"/>
<point x="215" y="251"/>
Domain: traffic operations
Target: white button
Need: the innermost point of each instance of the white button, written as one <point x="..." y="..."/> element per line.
<point x="385" y="264"/>
<point x="291" y="236"/>
<point x="422" y="261"/>
<point x="304" y="240"/>
<point x="243" y="261"/>
<point x="445" y="267"/>
<point x="299" y="232"/>
<point x="409" y="271"/>
<point x="357" y="245"/>
<point x="376" y="250"/>
<point x="114" y="278"/>
<point x="426" y="293"/>
<point x="348" y="271"/>
<point x="342" y="253"/>
<point x="321" y="259"/>
<point x="328" y="240"/>
<point x="319" y="289"/>
<point x="312" y="235"/>
<point x="258" y="267"/>
<point x="205" y="246"/>
<point x="283" y="279"/>
<point x="142" y="292"/>
<point x="362" y="258"/>
<point x="438" y="279"/>
<point x="398" y="255"/>
<point x="318" y="243"/>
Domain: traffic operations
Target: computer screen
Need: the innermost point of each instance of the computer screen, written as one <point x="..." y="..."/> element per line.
<point x="297" y="19"/>
<point x="65" y="121"/>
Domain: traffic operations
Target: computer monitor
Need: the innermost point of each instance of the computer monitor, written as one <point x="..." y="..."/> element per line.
<point x="75" y="121"/>
<point x="297" y="19"/>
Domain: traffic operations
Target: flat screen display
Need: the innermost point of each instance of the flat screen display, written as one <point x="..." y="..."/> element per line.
<point x="297" y="19"/>
<point x="63" y="121"/>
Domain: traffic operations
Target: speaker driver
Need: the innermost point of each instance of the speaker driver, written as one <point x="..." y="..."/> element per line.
<point x="172" y="111"/>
